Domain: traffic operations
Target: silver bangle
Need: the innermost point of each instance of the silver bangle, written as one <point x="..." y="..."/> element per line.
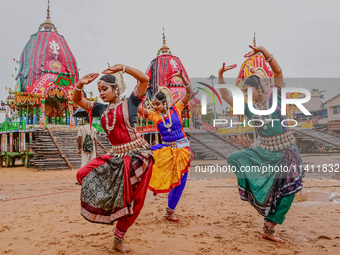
<point x="187" y="85"/>
<point x="136" y="93"/>
<point x="78" y="88"/>
<point x="124" y="66"/>
<point x="181" y="102"/>
<point x="90" y="104"/>
<point x="270" y="58"/>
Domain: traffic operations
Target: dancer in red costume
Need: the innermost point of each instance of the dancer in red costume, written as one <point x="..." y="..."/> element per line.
<point x="114" y="186"/>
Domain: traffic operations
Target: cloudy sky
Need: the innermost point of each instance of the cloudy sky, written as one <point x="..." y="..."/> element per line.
<point x="302" y="35"/>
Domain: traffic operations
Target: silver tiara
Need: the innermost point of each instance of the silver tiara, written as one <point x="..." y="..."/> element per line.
<point x="107" y="83"/>
<point x="259" y="85"/>
<point x="154" y="98"/>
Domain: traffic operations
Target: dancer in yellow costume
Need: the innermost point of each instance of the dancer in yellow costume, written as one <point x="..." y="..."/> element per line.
<point x="173" y="156"/>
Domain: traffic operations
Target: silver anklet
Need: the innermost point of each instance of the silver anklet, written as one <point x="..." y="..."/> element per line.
<point x="268" y="228"/>
<point x="118" y="240"/>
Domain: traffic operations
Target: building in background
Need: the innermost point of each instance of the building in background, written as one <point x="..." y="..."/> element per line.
<point x="333" y="110"/>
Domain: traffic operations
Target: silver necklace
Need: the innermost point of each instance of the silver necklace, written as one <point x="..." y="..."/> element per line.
<point x="264" y="105"/>
<point x="169" y="125"/>
<point x="115" y="106"/>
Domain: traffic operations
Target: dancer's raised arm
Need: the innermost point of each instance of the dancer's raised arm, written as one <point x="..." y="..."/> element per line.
<point x="188" y="91"/>
<point x="224" y="92"/>
<point x="278" y="76"/>
<point x="77" y="97"/>
<point x="185" y="99"/>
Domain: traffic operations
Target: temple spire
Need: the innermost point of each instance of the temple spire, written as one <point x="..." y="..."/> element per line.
<point x="48" y="25"/>
<point x="164" y="42"/>
<point x="164" y="48"/>
<point x="48" y="11"/>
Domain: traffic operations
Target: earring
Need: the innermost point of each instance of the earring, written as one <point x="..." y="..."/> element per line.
<point x="117" y="92"/>
<point x="165" y="106"/>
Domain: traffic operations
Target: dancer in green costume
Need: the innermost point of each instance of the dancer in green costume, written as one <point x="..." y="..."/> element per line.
<point x="270" y="174"/>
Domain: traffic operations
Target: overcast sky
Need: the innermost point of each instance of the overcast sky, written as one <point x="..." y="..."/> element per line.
<point x="302" y="35"/>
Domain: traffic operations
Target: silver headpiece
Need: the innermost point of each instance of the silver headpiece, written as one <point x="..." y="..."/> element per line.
<point x="107" y="83"/>
<point x="119" y="83"/>
<point x="154" y="98"/>
<point x="168" y="96"/>
<point x="265" y="82"/>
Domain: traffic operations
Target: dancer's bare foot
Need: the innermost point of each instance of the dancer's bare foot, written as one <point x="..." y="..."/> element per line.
<point x="268" y="232"/>
<point x="172" y="218"/>
<point x="273" y="238"/>
<point x="121" y="247"/>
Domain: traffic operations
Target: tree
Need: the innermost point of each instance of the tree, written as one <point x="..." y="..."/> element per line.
<point x="322" y="96"/>
<point x="208" y="117"/>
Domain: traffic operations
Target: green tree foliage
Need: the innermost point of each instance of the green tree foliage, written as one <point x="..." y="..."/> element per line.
<point x="208" y="117"/>
<point x="322" y="96"/>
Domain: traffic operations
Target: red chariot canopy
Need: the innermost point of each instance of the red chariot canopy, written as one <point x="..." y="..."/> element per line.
<point x="160" y="71"/>
<point x="46" y="53"/>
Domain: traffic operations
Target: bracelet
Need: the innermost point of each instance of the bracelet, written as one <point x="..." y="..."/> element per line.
<point x="182" y="102"/>
<point x="187" y="85"/>
<point x="270" y="58"/>
<point x="124" y="66"/>
<point x="78" y="88"/>
<point x="136" y="93"/>
<point x="90" y="105"/>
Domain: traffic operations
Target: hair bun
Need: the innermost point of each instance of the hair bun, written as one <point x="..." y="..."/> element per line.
<point x="167" y="93"/>
<point x="259" y="72"/>
<point x="120" y="82"/>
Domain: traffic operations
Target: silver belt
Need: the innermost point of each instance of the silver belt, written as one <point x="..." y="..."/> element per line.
<point x="277" y="142"/>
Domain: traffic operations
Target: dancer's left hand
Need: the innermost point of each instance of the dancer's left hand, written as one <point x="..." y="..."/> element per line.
<point x="254" y="51"/>
<point x="178" y="74"/>
<point x="113" y="69"/>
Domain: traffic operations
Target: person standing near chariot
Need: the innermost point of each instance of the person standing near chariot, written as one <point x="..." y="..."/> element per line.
<point x="87" y="142"/>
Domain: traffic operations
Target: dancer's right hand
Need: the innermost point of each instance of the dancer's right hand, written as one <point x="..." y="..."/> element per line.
<point x="225" y="68"/>
<point x="88" y="78"/>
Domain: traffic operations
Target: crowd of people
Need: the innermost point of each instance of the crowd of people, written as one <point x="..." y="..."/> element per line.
<point x="241" y="139"/>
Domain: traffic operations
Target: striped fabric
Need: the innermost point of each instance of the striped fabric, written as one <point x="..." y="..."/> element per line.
<point x="160" y="71"/>
<point x="45" y="51"/>
<point x="254" y="61"/>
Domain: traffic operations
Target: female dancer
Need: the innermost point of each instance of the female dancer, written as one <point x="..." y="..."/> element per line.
<point x="114" y="186"/>
<point x="173" y="157"/>
<point x="271" y="193"/>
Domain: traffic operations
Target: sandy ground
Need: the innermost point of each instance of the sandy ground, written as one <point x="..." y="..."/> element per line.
<point x="45" y="219"/>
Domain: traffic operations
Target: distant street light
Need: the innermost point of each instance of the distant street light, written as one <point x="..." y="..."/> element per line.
<point x="212" y="77"/>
